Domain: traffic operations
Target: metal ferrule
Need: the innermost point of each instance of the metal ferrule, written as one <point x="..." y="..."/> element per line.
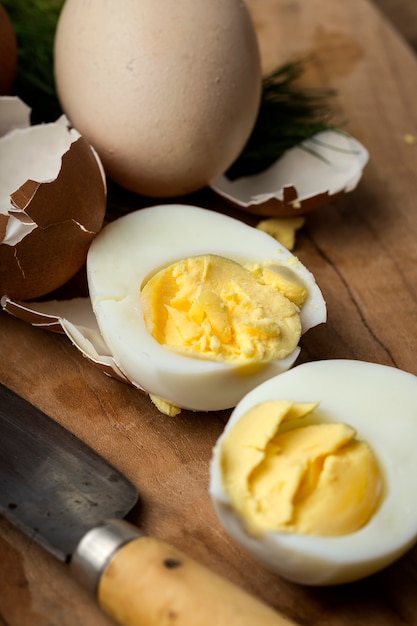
<point x="97" y="548"/>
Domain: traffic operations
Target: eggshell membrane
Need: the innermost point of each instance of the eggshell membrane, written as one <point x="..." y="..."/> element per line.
<point x="52" y="204"/>
<point x="130" y="250"/>
<point x="171" y="102"/>
<point x="305" y="178"/>
<point x="380" y="402"/>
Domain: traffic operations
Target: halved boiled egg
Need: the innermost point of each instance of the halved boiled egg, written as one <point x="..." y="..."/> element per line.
<point x="196" y="307"/>
<point x="312" y="473"/>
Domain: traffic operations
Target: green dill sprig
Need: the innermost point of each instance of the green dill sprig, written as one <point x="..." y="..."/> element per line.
<point x="288" y="115"/>
<point x="34" y="22"/>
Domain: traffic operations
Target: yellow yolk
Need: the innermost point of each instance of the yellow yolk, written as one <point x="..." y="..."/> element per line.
<point x="277" y="278"/>
<point x="164" y="406"/>
<point x="311" y="479"/>
<point x="212" y="307"/>
<point x="282" y="229"/>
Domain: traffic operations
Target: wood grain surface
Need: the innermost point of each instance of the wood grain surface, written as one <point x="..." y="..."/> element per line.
<point x="403" y="15"/>
<point x="362" y="250"/>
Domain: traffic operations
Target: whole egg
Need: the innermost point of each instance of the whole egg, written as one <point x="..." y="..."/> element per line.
<point x="130" y="251"/>
<point x="166" y="92"/>
<point x="379" y="402"/>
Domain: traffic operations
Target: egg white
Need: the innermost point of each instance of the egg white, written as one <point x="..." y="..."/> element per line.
<point x="130" y="250"/>
<point x="380" y="402"/>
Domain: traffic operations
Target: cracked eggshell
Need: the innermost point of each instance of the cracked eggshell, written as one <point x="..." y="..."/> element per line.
<point x="305" y="178"/>
<point x="14" y="113"/>
<point x="52" y="204"/>
<point x="75" y="319"/>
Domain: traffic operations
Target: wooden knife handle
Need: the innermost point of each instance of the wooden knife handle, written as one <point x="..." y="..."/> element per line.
<point x="150" y="583"/>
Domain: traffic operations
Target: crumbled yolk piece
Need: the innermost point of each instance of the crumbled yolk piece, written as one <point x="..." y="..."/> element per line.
<point x="410" y="139"/>
<point x="283" y="229"/>
<point x="214" y="308"/>
<point x="164" y="406"/>
<point x="311" y="479"/>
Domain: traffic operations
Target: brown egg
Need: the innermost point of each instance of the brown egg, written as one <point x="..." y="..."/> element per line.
<point x="166" y="92"/>
<point x="8" y="53"/>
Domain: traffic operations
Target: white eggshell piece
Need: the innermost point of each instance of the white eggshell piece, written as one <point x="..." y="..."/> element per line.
<point x="73" y="317"/>
<point x="380" y="402"/>
<point x="130" y="250"/>
<point x="14" y="113"/>
<point x="33" y="153"/>
<point x="306" y="176"/>
<point x="52" y="202"/>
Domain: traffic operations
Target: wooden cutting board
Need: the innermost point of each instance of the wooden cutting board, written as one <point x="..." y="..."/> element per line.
<point x="362" y="250"/>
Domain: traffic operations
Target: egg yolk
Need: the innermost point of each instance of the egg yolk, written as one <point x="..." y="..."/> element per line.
<point x="214" y="308"/>
<point x="315" y="479"/>
<point x="282" y="229"/>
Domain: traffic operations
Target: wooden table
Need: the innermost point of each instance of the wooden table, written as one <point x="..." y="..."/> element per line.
<point x="362" y="250"/>
<point x="403" y="14"/>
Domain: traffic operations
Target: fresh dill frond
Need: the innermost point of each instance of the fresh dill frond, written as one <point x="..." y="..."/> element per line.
<point x="288" y="115"/>
<point x="34" y="22"/>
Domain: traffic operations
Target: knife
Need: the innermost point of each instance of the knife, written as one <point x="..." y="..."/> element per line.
<point x="67" y="498"/>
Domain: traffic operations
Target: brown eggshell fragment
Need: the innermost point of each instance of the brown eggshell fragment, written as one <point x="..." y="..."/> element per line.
<point x="305" y="178"/>
<point x="47" y="224"/>
<point x="75" y="319"/>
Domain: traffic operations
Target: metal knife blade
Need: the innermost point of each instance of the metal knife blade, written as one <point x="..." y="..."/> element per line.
<point x="62" y="494"/>
<point x="52" y="486"/>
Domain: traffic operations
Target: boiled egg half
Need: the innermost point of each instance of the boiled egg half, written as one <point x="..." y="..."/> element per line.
<point x="198" y="308"/>
<point x="370" y="519"/>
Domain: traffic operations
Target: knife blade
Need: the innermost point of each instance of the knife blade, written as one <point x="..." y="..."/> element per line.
<point x="37" y="457"/>
<point x="70" y="500"/>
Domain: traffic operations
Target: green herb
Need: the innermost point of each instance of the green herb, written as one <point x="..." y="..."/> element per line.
<point x="287" y="116"/>
<point x="34" y="22"/>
